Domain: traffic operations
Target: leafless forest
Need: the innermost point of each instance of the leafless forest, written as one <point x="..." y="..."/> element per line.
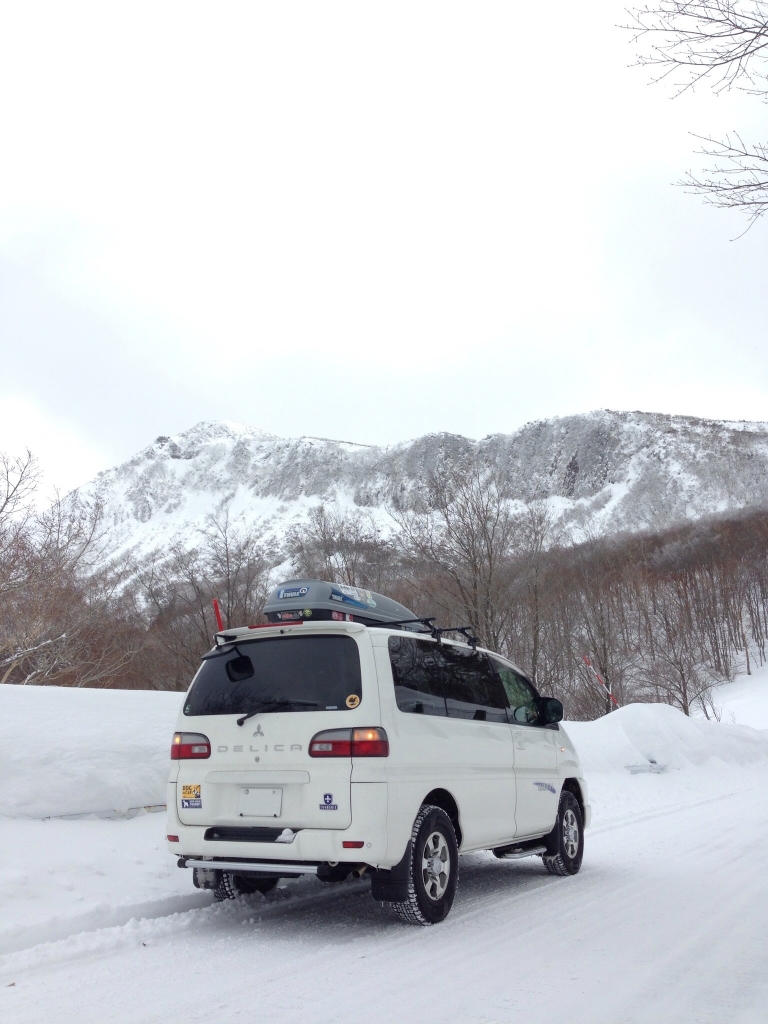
<point x="661" y="617"/>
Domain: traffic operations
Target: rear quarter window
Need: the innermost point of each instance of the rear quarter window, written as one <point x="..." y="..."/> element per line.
<point x="416" y="675"/>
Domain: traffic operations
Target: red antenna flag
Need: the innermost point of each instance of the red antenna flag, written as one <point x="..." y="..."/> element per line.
<point x="217" y="613"/>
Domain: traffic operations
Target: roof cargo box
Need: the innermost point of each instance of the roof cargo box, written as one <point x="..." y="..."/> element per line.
<point x="315" y="599"/>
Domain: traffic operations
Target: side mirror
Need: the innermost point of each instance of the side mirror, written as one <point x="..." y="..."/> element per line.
<point x="551" y="710"/>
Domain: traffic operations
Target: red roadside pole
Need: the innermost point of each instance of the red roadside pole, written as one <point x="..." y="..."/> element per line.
<point x="599" y="678"/>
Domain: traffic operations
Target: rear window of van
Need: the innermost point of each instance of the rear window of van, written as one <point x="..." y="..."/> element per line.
<point x="285" y="674"/>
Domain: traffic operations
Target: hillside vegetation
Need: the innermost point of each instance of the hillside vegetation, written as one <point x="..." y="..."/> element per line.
<point x="658" y="615"/>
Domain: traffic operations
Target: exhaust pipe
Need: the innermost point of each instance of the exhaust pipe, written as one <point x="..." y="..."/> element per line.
<point x="360" y="870"/>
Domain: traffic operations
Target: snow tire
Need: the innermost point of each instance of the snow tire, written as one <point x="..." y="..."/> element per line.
<point x="565" y="843"/>
<point x="430" y="890"/>
<point x="231" y="886"/>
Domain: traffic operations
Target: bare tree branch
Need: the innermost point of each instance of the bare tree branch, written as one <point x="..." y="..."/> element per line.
<point x="725" y="44"/>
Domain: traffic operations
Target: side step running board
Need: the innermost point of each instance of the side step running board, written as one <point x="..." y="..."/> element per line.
<point x="270" y="867"/>
<point x="531" y="851"/>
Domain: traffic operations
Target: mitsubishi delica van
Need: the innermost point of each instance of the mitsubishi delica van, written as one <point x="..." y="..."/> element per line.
<point x="347" y="737"/>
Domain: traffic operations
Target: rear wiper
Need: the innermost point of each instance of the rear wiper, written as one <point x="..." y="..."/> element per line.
<point x="273" y="705"/>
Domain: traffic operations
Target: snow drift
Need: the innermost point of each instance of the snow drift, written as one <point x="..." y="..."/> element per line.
<point x="646" y="733"/>
<point x="70" y="751"/>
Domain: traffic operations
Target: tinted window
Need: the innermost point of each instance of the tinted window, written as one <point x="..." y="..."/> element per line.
<point x="523" y="701"/>
<point x="307" y="673"/>
<point x="472" y="689"/>
<point x="416" y="674"/>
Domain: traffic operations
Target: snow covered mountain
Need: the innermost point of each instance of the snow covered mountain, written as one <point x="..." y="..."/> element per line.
<point x="603" y="471"/>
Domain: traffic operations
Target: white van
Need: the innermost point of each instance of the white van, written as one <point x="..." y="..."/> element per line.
<point x="347" y="736"/>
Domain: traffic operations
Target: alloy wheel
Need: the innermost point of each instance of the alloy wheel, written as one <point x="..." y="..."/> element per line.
<point x="570" y="834"/>
<point x="435" y="865"/>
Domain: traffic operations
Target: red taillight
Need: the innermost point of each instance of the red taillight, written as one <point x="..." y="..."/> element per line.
<point x="350" y="743"/>
<point x="175" y="839"/>
<point x="188" y="745"/>
<point x="349" y="845"/>
<point x="369" y="743"/>
<point x="331" y="743"/>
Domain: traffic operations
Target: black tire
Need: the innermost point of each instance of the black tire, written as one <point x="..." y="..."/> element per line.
<point x="261" y="885"/>
<point x="231" y="886"/>
<point x="430" y="891"/>
<point x="565" y="843"/>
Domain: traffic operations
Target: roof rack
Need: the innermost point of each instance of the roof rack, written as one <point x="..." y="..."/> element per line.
<point x="437" y="631"/>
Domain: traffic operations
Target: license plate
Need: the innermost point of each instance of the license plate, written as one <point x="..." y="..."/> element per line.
<point x="259" y="803"/>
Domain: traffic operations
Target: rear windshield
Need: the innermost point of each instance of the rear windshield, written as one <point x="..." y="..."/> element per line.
<point x="285" y="674"/>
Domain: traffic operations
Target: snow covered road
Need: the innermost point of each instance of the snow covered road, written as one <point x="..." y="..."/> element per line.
<point x="666" y="922"/>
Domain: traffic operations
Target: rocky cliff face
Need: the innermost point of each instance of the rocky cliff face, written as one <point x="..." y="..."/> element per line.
<point x="602" y="471"/>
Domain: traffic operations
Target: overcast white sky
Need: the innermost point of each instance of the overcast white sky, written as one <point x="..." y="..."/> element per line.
<point x="361" y="221"/>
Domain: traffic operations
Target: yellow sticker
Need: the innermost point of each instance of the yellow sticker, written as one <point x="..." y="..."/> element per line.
<point x="353" y="700"/>
<point x="190" y="792"/>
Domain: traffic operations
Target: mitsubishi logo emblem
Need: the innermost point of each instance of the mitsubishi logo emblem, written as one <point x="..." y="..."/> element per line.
<point x="258" y="731"/>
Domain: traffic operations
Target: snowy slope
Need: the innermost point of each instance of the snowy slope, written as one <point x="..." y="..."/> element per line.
<point x="745" y="700"/>
<point x="606" y="470"/>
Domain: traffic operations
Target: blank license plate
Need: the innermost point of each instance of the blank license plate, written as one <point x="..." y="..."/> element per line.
<point x="259" y="803"/>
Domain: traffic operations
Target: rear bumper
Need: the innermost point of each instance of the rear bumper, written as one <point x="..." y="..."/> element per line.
<point x="265" y="867"/>
<point x="312" y="845"/>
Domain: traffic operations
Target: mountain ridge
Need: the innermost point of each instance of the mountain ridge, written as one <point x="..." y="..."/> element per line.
<point x="601" y="471"/>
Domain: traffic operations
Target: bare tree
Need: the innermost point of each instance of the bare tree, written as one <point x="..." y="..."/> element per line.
<point x="677" y="673"/>
<point x="724" y="44"/>
<point x="344" y="546"/>
<point x="174" y="591"/>
<point x="538" y="530"/>
<point x="64" y="620"/>
<point x="459" y="541"/>
<point x="19" y="480"/>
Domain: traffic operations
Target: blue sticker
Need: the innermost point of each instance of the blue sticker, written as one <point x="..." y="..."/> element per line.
<point x="348" y="595"/>
<point x="292" y="593"/>
<point x="545" y="787"/>
<point x="328" y="804"/>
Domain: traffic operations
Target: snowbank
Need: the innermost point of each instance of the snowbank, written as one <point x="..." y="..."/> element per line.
<point x="642" y="733"/>
<point x="70" y="751"/>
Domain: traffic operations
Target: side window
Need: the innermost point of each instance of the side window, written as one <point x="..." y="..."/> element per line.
<point x="523" y="702"/>
<point x="472" y="688"/>
<point x="416" y="674"/>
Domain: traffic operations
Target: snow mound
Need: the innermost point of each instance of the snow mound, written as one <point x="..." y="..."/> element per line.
<point x="70" y="751"/>
<point x="644" y="733"/>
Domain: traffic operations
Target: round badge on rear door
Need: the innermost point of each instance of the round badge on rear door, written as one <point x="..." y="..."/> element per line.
<point x="353" y="700"/>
